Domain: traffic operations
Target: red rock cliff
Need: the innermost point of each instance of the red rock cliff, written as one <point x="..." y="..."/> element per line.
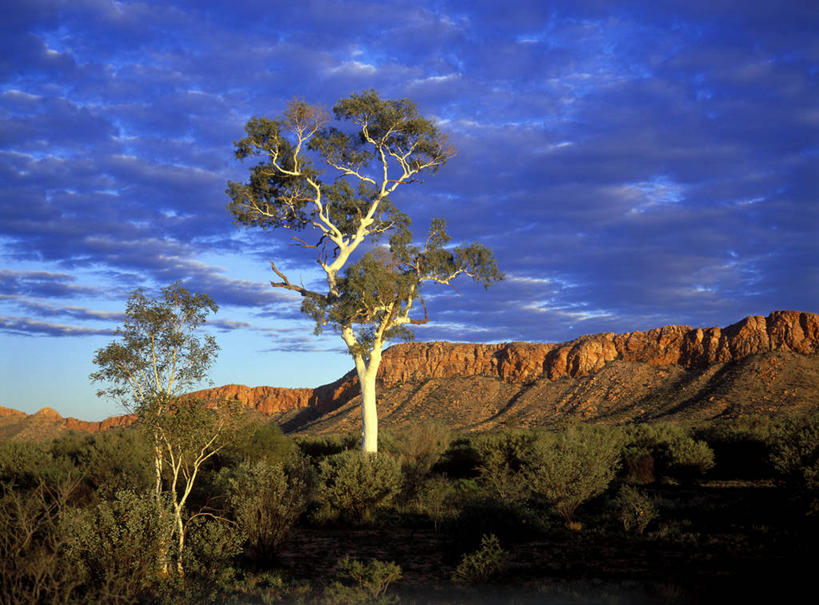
<point x="518" y="362"/>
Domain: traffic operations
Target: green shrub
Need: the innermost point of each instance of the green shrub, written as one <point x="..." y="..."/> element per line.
<point x="573" y="466"/>
<point x="354" y="484"/>
<point x="267" y="498"/>
<point x="327" y="445"/>
<point x="511" y="522"/>
<point x="485" y="564"/>
<point x="258" y="441"/>
<point x="795" y="451"/>
<point x="211" y="547"/>
<point x="418" y="447"/>
<point x="502" y="457"/>
<point x="689" y="457"/>
<point x="120" y="546"/>
<point x="33" y="568"/>
<point x="635" y="510"/>
<point x="436" y="499"/>
<point x="359" y="582"/>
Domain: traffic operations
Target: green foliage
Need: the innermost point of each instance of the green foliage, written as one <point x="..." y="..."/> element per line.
<point x="321" y="446"/>
<point x="689" y="457"/>
<point x="26" y="465"/>
<point x="109" y="461"/>
<point x="795" y="452"/>
<point x="258" y="441"/>
<point x="673" y="449"/>
<point x="159" y="350"/>
<point x="573" y="466"/>
<point x="418" y="447"/>
<point x="634" y="509"/>
<point x="212" y="546"/>
<point x="355" y="484"/>
<point x="436" y="500"/>
<point x="485" y="564"/>
<point x="119" y="546"/>
<point x="502" y="459"/>
<point x="32" y="544"/>
<point x="267" y="498"/>
<point x="359" y="582"/>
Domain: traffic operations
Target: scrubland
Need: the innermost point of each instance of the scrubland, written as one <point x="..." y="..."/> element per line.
<point x="576" y="514"/>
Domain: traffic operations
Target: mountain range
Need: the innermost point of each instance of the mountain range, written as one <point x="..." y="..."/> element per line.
<point x="766" y="365"/>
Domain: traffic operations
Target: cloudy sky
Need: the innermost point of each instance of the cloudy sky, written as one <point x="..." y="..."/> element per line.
<point x="632" y="164"/>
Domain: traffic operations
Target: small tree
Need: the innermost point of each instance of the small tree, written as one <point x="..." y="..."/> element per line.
<point x="368" y="300"/>
<point x="571" y="467"/>
<point x="159" y="356"/>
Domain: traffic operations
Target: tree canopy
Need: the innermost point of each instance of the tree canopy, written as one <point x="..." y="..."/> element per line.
<point x="330" y="183"/>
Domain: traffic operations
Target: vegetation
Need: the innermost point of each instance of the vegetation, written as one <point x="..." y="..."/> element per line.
<point x="269" y="523"/>
<point x="336" y="181"/>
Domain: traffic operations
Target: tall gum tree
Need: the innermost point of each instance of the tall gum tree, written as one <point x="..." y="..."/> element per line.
<point x="334" y="181"/>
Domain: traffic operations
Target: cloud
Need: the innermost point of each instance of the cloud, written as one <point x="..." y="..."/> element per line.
<point x="32" y="327"/>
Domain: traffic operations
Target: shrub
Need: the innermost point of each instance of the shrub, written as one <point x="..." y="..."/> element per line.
<point x="511" y="522"/>
<point x="435" y="499"/>
<point x="795" y="452"/>
<point x="638" y="464"/>
<point x="483" y="565"/>
<point x="359" y="582"/>
<point x="634" y="509"/>
<point x="328" y="445"/>
<point x="267" y="498"/>
<point x="571" y="467"/>
<point x="418" y="447"/>
<point x="502" y="458"/>
<point x="211" y="547"/>
<point x="354" y="484"/>
<point x="258" y="441"/>
<point x="689" y="457"/>
<point x="33" y="568"/>
<point x="121" y="546"/>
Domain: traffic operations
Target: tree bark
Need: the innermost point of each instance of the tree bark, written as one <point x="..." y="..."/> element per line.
<point x="369" y="412"/>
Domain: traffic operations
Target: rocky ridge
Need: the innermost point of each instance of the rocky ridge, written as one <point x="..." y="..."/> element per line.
<point x="522" y="362"/>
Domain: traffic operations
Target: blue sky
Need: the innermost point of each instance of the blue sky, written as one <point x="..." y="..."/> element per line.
<point x="632" y="165"/>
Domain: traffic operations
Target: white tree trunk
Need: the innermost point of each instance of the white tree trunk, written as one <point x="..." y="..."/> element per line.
<point x="369" y="413"/>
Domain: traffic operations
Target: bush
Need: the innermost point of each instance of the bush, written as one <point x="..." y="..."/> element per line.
<point x="483" y="565"/>
<point x="354" y="484"/>
<point x="638" y="464"/>
<point x="635" y="510"/>
<point x="258" y="441"/>
<point x="502" y="457"/>
<point x="328" y="445"/>
<point x="359" y="582"/>
<point x="418" y="448"/>
<point x="672" y="448"/>
<point x="795" y="452"/>
<point x="689" y="458"/>
<point x="33" y="568"/>
<point x="266" y="499"/>
<point x="511" y="522"/>
<point x="211" y="547"/>
<point x="571" y="467"/>
<point x="435" y="499"/>
<point x="120" y="546"/>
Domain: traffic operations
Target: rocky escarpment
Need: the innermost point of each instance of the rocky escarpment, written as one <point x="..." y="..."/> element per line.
<point x="672" y="345"/>
<point x="522" y="362"/>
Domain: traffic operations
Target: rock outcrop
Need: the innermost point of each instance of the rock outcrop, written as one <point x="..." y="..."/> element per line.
<point x="612" y="375"/>
<point x="523" y="362"/>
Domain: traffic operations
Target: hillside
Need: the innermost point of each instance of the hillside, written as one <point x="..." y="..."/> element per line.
<point x="757" y="365"/>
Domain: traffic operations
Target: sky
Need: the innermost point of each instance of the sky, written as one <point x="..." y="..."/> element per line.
<point x="631" y="164"/>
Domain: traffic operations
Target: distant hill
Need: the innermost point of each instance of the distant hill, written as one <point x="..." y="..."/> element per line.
<point x="48" y="424"/>
<point x="758" y="365"/>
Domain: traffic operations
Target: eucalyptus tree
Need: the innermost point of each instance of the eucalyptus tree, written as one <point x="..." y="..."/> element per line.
<point x="158" y="357"/>
<point x="334" y="180"/>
